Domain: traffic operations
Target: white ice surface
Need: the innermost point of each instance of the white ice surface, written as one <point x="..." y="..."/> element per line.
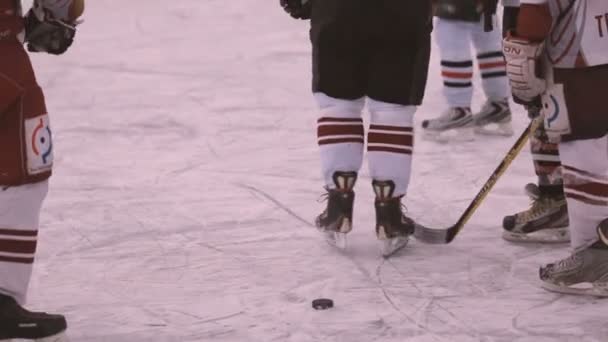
<point x="187" y="177"/>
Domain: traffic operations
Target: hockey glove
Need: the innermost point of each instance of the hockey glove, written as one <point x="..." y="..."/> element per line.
<point x="44" y="33"/>
<point x="522" y="66"/>
<point x="489" y="10"/>
<point x="298" y="9"/>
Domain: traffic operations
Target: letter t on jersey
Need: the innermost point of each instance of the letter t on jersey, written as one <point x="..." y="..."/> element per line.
<point x="602" y="24"/>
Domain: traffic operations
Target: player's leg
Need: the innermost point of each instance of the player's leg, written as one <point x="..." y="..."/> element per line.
<point x="25" y="164"/>
<point x="390" y="143"/>
<point x="339" y="85"/>
<point x="574" y="111"/>
<point x="495" y="115"/>
<point x="340" y="135"/>
<point x="18" y="239"/>
<point x="586" y="187"/>
<point x="547" y="218"/>
<point x="398" y="74"/>
<point x="453" y="39"/>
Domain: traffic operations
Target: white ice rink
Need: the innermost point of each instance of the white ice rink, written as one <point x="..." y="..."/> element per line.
<point x="187" y="178"/>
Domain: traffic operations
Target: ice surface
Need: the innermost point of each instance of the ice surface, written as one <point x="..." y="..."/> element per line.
<point x="187" y="177"/>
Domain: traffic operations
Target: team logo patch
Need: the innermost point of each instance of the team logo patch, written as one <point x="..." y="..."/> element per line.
<point x="39" y="143"/>
<point x="555" y="112"/>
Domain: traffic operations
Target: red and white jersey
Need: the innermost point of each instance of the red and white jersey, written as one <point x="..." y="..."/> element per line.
<point x="579" y="32"/>
<point x="11" y="23"/>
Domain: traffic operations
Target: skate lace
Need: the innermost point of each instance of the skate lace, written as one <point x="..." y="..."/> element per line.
<point x="449" y="115"/>
<point x="487" y="108"/>
<point x="537" y="209"/>
<point x="490" y="110"/>
<point x="323" y="197"/>
<point x="568" y="263"/>
<point x="403" y="209"/>
<point x="455" y="114"/>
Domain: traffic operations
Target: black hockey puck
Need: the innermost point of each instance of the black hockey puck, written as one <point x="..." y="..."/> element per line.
<point x="322" y="304"/>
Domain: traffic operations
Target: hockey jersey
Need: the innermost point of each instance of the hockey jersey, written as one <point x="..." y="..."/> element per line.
<point x="11" y="22"/>
<point x="579" y="32"/>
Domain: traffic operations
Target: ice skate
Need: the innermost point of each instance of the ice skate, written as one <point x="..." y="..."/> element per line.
<point x="584" y="272"/>
<point x="545" y="221"/>
<point x="337" y="219"/>
<point x="494" y="118"/>
<point x="19" y="324"/>
<point x="393" y="228"/>
<point x="455" y="124"/>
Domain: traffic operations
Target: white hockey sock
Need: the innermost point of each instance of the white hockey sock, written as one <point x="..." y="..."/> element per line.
<point x="493" y="75"/>
<point x="390" y="143"/>
<point x="453" y="38"/>
<point x="340" y="135"/>
<point x="19" y="217"/>
<point x="491" y="61"/>
<point x="585" y="175"/>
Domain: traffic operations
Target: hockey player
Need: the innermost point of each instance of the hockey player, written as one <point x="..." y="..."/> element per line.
<point x="27" y="156"/>
<point x="373" y="52"/>
<point x="547" y="218"/>
<point x="458" y="24"/>
<point x="566" y="42"/>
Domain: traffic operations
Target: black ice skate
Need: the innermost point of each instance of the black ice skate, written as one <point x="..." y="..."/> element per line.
<point x="337" y="219"/>
<point x="393" y="228"/>
<point x="18" y="323"/>
<point x="546" y="220"/>
<point x="584" y="272"/>
<point x="494" y="118"/>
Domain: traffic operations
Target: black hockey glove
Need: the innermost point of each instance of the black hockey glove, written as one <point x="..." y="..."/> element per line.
<point x="489" y="9"/>
<point x="43" y="33"/>
<point x="298" y="9"/>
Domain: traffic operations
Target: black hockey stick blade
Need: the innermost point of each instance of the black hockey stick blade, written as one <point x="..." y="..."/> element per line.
<point x="447" y="235"/>
<point x="436" y="236"/>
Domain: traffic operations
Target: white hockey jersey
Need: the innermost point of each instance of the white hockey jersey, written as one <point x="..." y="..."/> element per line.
<point x="579" y="33"/>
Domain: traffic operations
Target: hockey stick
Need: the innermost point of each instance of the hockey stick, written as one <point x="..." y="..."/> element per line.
<point x="447" y="235"/>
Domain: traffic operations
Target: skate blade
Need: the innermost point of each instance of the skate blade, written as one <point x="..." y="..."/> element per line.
<point x="495" y="129"/>
<point x="62" y="337"/>
<point x="390" y="247"/>
<point x="585" y="289"/>
<point x="553" y="235"/>
<point x="56" y="338"/>
<point x="336" y="239"/>
<point x="464" y="134"/>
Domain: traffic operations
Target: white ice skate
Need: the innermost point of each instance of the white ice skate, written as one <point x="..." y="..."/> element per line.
<point x="494" y="118"/>
<point x="455" y="124"/>
<point x="585" y="272"/>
